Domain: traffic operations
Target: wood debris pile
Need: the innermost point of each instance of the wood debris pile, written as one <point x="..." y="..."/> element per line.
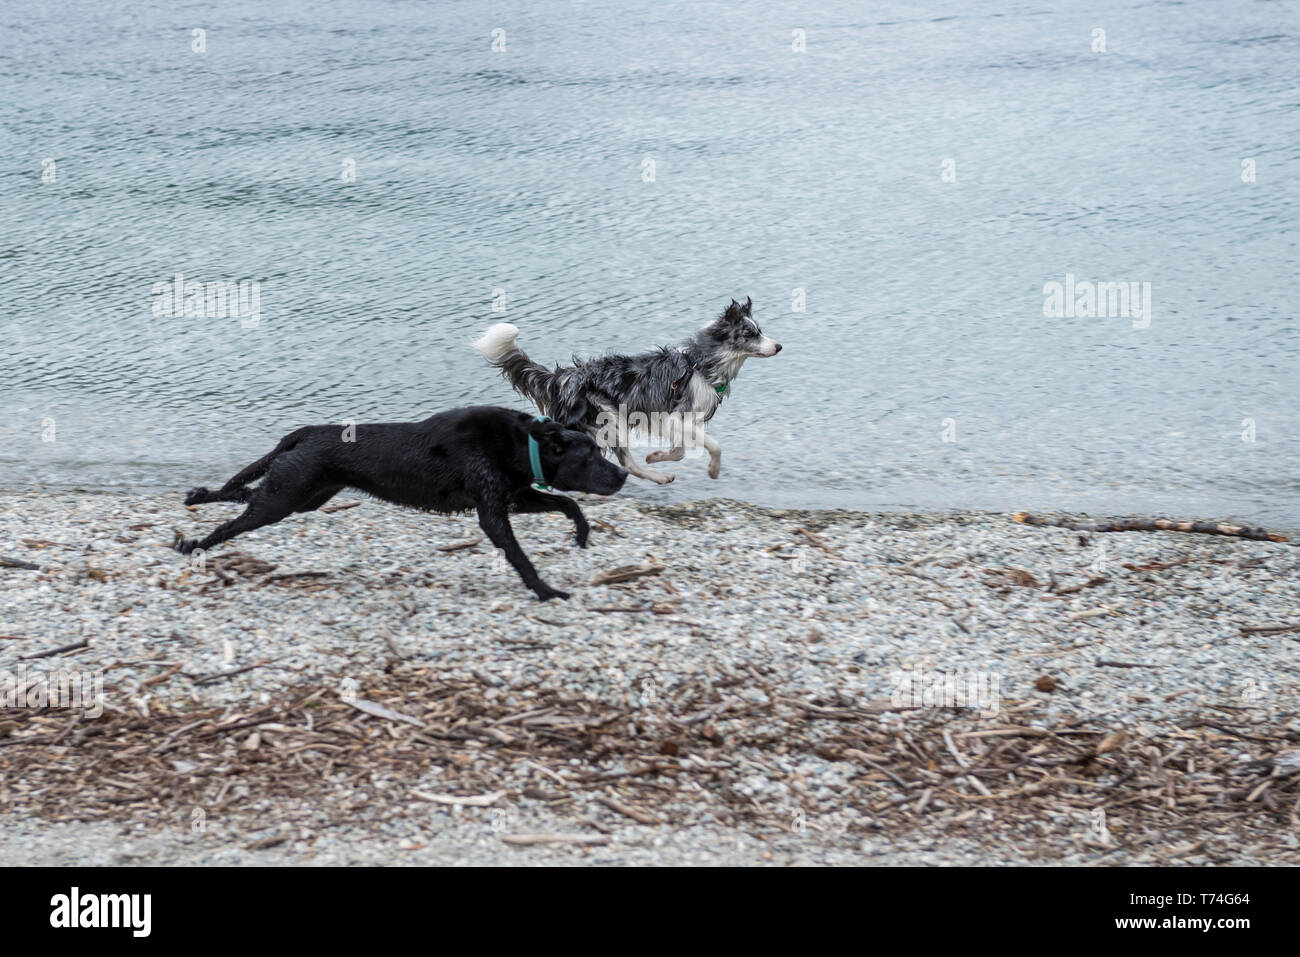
<point x="660" y="758"/>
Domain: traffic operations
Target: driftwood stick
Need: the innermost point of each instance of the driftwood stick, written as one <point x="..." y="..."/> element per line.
<point x="289" y="576"/>
<point x="159" y="679"/>
<point x="635" y="813"/>
<point x="62" y="649"/>
<point x="392" y="644"/>
<point x="209" y="679"/>
<point x="625" y="573"/>
<point x="1261" y="629"/>
<point x="1124" y="664"/>
<point x="1092" y="582"/>
<point x="818" y="541"/>
<point x="457" y="546"/>
<point x="1152" y="525"/>
<point x="526" y="839"/>
<point x="476" y="800"/>
<point x="658" y="608"/>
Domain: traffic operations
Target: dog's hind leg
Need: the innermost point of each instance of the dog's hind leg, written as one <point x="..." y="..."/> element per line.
<point x="319" y="499"/>
<point x="625" y="459"/>
<point x="531" y="500"/>
<point x="201" y="495"/>
<point x="285" y="491"/>
<point x="236" y="490"/>
<point x="495" y="522"/>
<point x="259" y="513"/>
<point x="675" y="454"/>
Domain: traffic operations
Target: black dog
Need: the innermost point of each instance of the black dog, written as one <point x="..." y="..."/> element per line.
<point x="472" y="458"/>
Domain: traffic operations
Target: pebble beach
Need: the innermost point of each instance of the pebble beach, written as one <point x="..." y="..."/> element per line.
<point x="729" y="684"/>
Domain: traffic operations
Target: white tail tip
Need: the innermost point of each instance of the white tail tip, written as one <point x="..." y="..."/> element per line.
<point x="497" y="341"/>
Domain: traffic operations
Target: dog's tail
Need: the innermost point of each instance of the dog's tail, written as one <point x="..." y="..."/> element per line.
<point x="529" y="378"/>
<point x="231" y="490"/>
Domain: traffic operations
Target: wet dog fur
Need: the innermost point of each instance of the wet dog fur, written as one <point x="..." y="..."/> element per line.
<point x="470" y="458"/>
<point x="687" y="380"/>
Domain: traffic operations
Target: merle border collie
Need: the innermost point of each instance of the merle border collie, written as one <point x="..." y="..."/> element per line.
<point x="687" y="381"/>
<point x="479" y="458"/>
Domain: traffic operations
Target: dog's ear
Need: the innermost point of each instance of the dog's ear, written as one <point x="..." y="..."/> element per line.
<point x="734" y="312"/>
<point x="570" y="412"/>
<point x="548" y="434"/>
<point x="749" y="306"/>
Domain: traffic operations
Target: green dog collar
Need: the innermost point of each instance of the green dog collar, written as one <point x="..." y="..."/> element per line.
<point x="535" y="455"/>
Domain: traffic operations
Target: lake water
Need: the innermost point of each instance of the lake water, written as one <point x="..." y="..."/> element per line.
<point x="918" y="173"/>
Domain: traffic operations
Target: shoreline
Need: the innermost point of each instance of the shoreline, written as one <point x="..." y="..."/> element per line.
<point x="791" y="624"/>
<point x="1081" y="507"/>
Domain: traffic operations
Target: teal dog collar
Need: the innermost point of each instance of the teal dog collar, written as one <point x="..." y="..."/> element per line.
<point x="535" y="456"/>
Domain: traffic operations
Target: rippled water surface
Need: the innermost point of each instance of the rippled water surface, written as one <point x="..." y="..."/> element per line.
<point x="522" y="172"/>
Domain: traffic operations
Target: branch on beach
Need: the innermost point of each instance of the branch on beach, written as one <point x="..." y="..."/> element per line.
<point x="1264" y="629"/>
<point x="625" y="573"/>
<point x="1152" y="525"/>
<point x="61" y="650"/>
<point x="817" y="541"/>
<point x="220" y="676"/>
<point x="7" y="562"/>
<point x="458" y="546"/>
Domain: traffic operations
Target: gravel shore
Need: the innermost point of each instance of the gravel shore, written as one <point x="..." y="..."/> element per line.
<point x="784" y="665"/>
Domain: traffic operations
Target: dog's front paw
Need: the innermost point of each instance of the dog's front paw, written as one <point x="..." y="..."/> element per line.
<point x="715" y="468"/>
<point x="666" y="455"/>
<point x="196" y="495"/>
<point x="582" y="534"/>
<point x="662" y="479"/>
<point x="546" y="593"/>
<point x="182" y="544"/>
